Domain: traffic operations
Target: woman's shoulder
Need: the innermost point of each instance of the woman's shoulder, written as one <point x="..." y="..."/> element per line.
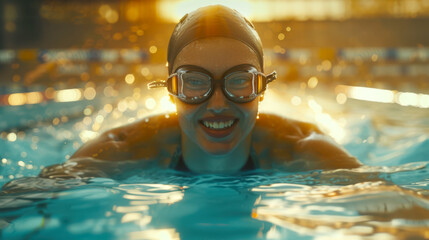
<point x="282" y="126"/>
<point x="150" y="123"/>
<point x="130" y="140"/>
<point x="297" y="145"/>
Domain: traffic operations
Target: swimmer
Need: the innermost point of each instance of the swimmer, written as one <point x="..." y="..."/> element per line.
<point x="217" y="79"/>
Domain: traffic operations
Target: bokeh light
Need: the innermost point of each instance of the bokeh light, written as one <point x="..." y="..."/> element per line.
<point x="150" y="103"/>
<point x="129" y="78"/>
<point x="68" y="95"/>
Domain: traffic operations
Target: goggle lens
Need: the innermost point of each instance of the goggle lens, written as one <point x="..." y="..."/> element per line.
<point x="240" y="84"/>
<point x="194" y="84"/>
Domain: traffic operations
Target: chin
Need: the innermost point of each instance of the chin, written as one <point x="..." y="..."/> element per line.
<point x="217" y="148"/>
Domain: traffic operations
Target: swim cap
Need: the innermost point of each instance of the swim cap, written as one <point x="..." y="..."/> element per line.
<point x="213" y="21"/>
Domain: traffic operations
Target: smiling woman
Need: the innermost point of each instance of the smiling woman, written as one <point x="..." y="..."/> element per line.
<point x="216" y="81"/>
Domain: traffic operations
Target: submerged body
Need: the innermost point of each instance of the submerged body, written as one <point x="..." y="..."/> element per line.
<point x="278" y="143"/>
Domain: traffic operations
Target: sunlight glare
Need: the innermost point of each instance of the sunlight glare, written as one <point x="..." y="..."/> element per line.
<point x="407" y="99"/>
<point x="87" y="135"/>
<point x="371" y="94"/>
<point x="174" y="10"/>
<point x="167" y="105"/>
<point x="384" y="96"/>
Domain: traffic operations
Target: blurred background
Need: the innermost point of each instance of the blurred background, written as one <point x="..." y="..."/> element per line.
<point x="72" y="69"/>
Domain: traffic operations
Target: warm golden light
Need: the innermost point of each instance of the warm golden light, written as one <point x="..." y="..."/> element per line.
<point x="122" y="106"/>
<point x="108" y="108"/>
<point x="68" y="95"/>
<point x="132" y="13"/>
<point x="341" y="98"/>
<point x="130" y="209"/>
<point x="87" y="121"/>
<point x="50" y="93"/>
<point x="87" y="135"/>
<point x="89" y="93"/>
<point x="17" y="99"/>
<point x="103" y="9"/>
<point x="34" y="97"/>
<point x="296" y="100"/>
<point x="261" y="11"/>
<point x="371" y="94"/>
<point x="424" y="100"/>
<point x="153" y="49"/>
<point x="367" y="94"/>
<point x="130" y="217"/>
<point x="129" y="78"/>
<point x="145" y="71"/>
<point x="108" y="13"/>
<point x="173" y="11"/>
<point x="167" y="105"/>
<point x="87" y="111"/>
<point x="315" y="106"/>
<point x="407" y="99"/>
<point x="383" y="96"/>
<point x="150" y="103"/>
<point x="161" y="234"/>
<point x="11" y="137"/>
<point x="312" y="82"/>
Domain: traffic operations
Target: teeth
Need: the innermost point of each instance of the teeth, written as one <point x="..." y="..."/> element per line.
<point x="218" y="125"/>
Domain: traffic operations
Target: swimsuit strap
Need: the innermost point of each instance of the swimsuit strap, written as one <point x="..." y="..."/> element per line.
<point x="177" y="162"/>
<point x="176" y="158"/>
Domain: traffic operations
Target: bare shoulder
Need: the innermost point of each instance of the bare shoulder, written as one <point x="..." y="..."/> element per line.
<point x="276" y="127"/>
<point x="138" y="140"/>
<point x="128" y="148"/>
<point x="297" y="145"/>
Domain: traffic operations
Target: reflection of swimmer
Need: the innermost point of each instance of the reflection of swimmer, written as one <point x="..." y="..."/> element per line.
<point x="215" y="59"/>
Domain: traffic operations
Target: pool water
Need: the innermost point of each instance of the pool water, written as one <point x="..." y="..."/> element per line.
<point x="388" y="198"/>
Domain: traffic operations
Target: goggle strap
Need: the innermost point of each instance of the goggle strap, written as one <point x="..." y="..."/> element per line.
<point x="271" y="77"/>
<point x="157" y="84"/>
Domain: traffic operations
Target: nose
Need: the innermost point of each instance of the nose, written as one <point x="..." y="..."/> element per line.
<point x="217" y="102"/>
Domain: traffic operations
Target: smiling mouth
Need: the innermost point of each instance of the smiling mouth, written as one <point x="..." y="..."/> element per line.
<point x="218" y="124"/>
<point x="219" y="128"/>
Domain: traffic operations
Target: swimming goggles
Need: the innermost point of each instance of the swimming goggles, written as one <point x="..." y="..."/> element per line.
<point x="194" y="85"/>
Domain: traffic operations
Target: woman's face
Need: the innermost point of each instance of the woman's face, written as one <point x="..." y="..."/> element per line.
<point x="208" y="124"/>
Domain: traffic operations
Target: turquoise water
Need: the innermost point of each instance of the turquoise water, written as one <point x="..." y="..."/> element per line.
<point x="388" y="198"/>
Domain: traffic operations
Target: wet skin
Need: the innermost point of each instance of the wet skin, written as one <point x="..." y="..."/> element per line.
<point x="202" y="150"/>
<point x="279" y="143"/>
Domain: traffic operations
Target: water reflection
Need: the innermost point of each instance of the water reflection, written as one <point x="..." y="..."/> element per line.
<point x="164" y="204"/>
<point x="371" y="209"/>
<point x="164" y="234"/>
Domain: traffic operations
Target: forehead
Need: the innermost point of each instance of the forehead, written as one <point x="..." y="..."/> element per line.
<point x="216" y="55"/>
